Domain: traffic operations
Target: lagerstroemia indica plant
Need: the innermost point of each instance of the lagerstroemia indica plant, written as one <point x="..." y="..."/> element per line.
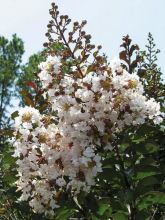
<point x="89" y="103"/>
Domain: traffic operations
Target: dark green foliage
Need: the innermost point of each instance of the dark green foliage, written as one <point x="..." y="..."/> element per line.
<point x="141" y="151"/>
<point x="10" y="62"/>
<point x="10" y="67"/>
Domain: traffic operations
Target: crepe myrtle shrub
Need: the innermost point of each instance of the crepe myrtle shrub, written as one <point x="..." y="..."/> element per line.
<point x="67" y="139"/>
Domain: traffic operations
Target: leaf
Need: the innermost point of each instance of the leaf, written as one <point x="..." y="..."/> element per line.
<point x="63" y="213"/>
<point x="80" y="198"/>
<point x="14" y="115"/>
<point x="124" y="146"/>
<point x="123" y="56"/>
<point x="85" y="57"/>
<point x="133" y="48"/>
<point x="8" y="161"/>
<point x="142" y="171"/>
<point x="57" y="46"/>
<point x="77" y="202"/>
<point x="144" y="215"/>
<point x="148" y="184"/>
<point x="9" y="179"/>
<point x="147" y="148"/>
<point x="127" y="195"/>
<point x="141" y="72"/>
<point x="91" y="68"/>
<point x="103" y="206"/>
<point x="147" y="161"/>
<point x="119" y="216"/>
<point x="82" y="53"/>
<point x="92" y="203"/>
<point x="150" y="147"/>
<point x="138" y="140"/>
<point x="151" y="198"/>
<point x="27" y="98"/>
<point x="134" y="64"/>
<point x="149" y="180"/>
<point x="95" y="218"/>
<point x="95" y="53"/>
<point x="110" y="175"/>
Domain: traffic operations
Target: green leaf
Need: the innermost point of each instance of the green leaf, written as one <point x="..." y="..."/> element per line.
<point x="142" y="171"/>
<point x="63" y="213"/>
<point x="103" y="206"/>
<point x="8" y="161"/>
<point x="149" y="180"/>
<point x="14" y="115"/>
<point x="138" y="140"/>
<point x="151" y="198"/>
<point x="142" y="72"/>
<point x="124" y="146"/>
<point x="142" y="215"/>
<point x="10" y="179"/>
<point x="147" y="148"/>
<point x="57" y="46"/>
<point x="150" y="147"/>
<point x="95" y="218"/>
<point x="120" y="216"/>
<point x="92" y="203"/>
<point x="147" y="161"/>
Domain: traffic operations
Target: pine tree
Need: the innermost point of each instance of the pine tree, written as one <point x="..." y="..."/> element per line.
<point x="11" y="52"/>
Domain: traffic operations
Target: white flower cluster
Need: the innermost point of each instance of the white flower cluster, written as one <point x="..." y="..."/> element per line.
<point x="62" y="155"/>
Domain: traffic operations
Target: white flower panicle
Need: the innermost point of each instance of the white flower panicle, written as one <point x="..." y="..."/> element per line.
<point x="91" y="110"/>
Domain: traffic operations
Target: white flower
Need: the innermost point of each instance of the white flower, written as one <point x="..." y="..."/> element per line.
<point x="60" y="182"/>
<point x="115" y="64"/>
<point x="89" y="152"/>
<point x="52" y="64"/>
<point x="60" y="149"/>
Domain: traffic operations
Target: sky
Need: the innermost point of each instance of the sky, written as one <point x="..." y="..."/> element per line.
<point x="108" y="21"/>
